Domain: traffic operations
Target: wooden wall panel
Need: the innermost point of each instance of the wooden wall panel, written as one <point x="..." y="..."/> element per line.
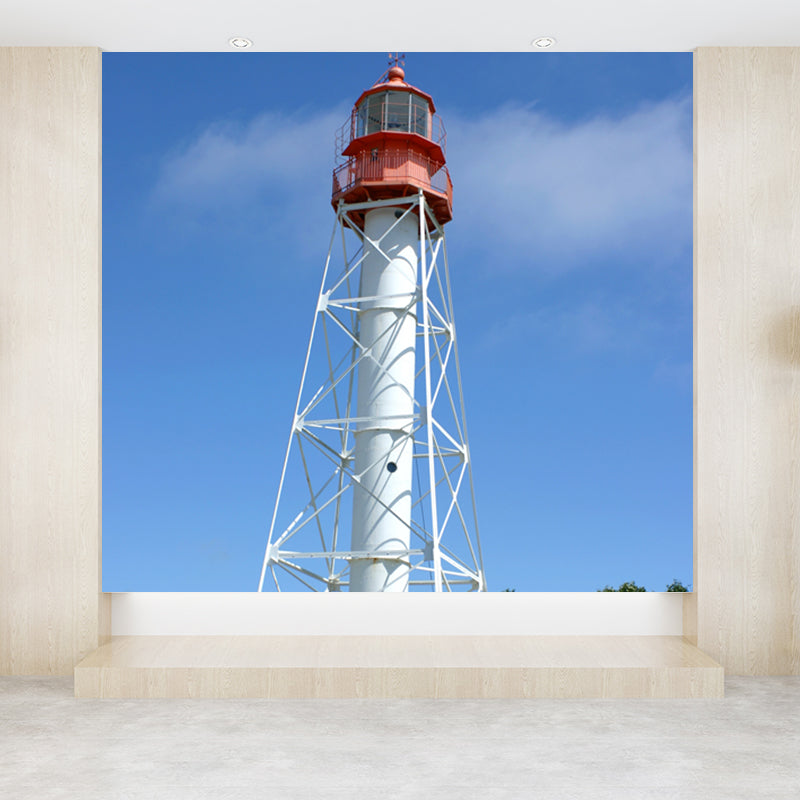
<point x="747" y="357"/>
<point x="690" y="617"/>
<point x="50" y="603"/>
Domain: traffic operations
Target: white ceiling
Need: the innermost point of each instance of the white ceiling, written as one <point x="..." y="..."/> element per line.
<point x="411" y="25"/>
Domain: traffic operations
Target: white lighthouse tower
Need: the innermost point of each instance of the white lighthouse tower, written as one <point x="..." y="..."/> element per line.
<point x="376" y="491"/>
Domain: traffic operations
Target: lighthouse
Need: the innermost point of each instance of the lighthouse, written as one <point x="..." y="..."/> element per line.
<point x="376" y="491"/>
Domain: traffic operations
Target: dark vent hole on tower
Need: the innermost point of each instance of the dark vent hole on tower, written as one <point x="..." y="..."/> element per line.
<point x="391" y="466"/>
<point x="398" y="213"/>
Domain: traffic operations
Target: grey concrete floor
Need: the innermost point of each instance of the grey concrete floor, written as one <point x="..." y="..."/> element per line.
<point x="745" y="746"/>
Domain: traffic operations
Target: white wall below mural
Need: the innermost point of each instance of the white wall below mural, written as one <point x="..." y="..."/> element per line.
<point x="499" y="613"/>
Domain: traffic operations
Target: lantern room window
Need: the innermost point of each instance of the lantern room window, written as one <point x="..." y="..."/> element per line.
<point x="393" y="111"/>
<point x="419" y="119"/>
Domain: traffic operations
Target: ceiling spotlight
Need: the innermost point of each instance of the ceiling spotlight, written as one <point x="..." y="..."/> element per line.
<point x="543" y="42"/>
<point x="239" y="43"/>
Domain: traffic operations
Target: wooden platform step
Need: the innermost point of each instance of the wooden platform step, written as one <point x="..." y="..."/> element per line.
<point x="294" y="667"/>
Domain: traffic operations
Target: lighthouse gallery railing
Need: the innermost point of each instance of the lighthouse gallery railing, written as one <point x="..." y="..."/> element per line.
<point x="393" y="167"/>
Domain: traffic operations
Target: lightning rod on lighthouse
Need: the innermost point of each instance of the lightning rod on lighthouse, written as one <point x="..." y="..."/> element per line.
<point x="376" y="489"/>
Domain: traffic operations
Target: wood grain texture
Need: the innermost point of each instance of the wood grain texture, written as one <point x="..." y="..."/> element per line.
<point x="50" y="604"/>
<point x="453" y="667"/>
<point x="747" y="357"/>
<point x="690" y="617"/>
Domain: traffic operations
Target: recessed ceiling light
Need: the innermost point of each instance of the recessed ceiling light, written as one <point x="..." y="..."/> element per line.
<point x="239" y="43"/>
<point x="543" y="42"/>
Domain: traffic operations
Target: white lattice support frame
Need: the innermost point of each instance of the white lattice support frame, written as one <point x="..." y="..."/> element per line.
<point x="441" y="547"/>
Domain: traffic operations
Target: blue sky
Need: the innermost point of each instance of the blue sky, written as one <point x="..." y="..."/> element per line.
<point x="571" y="259"/>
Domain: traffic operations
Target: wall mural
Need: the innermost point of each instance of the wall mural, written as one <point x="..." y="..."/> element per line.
<point x="320" y="268"/>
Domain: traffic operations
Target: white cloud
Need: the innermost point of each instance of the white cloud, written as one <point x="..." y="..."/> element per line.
<point x="273" y="173"/>
<point x="551" y="194"/>
<point x="530" y="190"/>
<point x="231" y="160"/>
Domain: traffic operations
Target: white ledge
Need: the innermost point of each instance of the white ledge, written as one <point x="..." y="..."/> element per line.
<point x="313" y="614"/>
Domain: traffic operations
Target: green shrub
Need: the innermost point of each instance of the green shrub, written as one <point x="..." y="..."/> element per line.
<point x="676" y="586"/>
<point x="630" y="586"/>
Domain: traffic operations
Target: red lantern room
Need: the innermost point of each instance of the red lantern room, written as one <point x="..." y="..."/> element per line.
<point x="394" y="145"/>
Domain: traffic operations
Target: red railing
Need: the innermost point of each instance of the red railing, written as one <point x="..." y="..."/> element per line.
<point x="393" y="168"/>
